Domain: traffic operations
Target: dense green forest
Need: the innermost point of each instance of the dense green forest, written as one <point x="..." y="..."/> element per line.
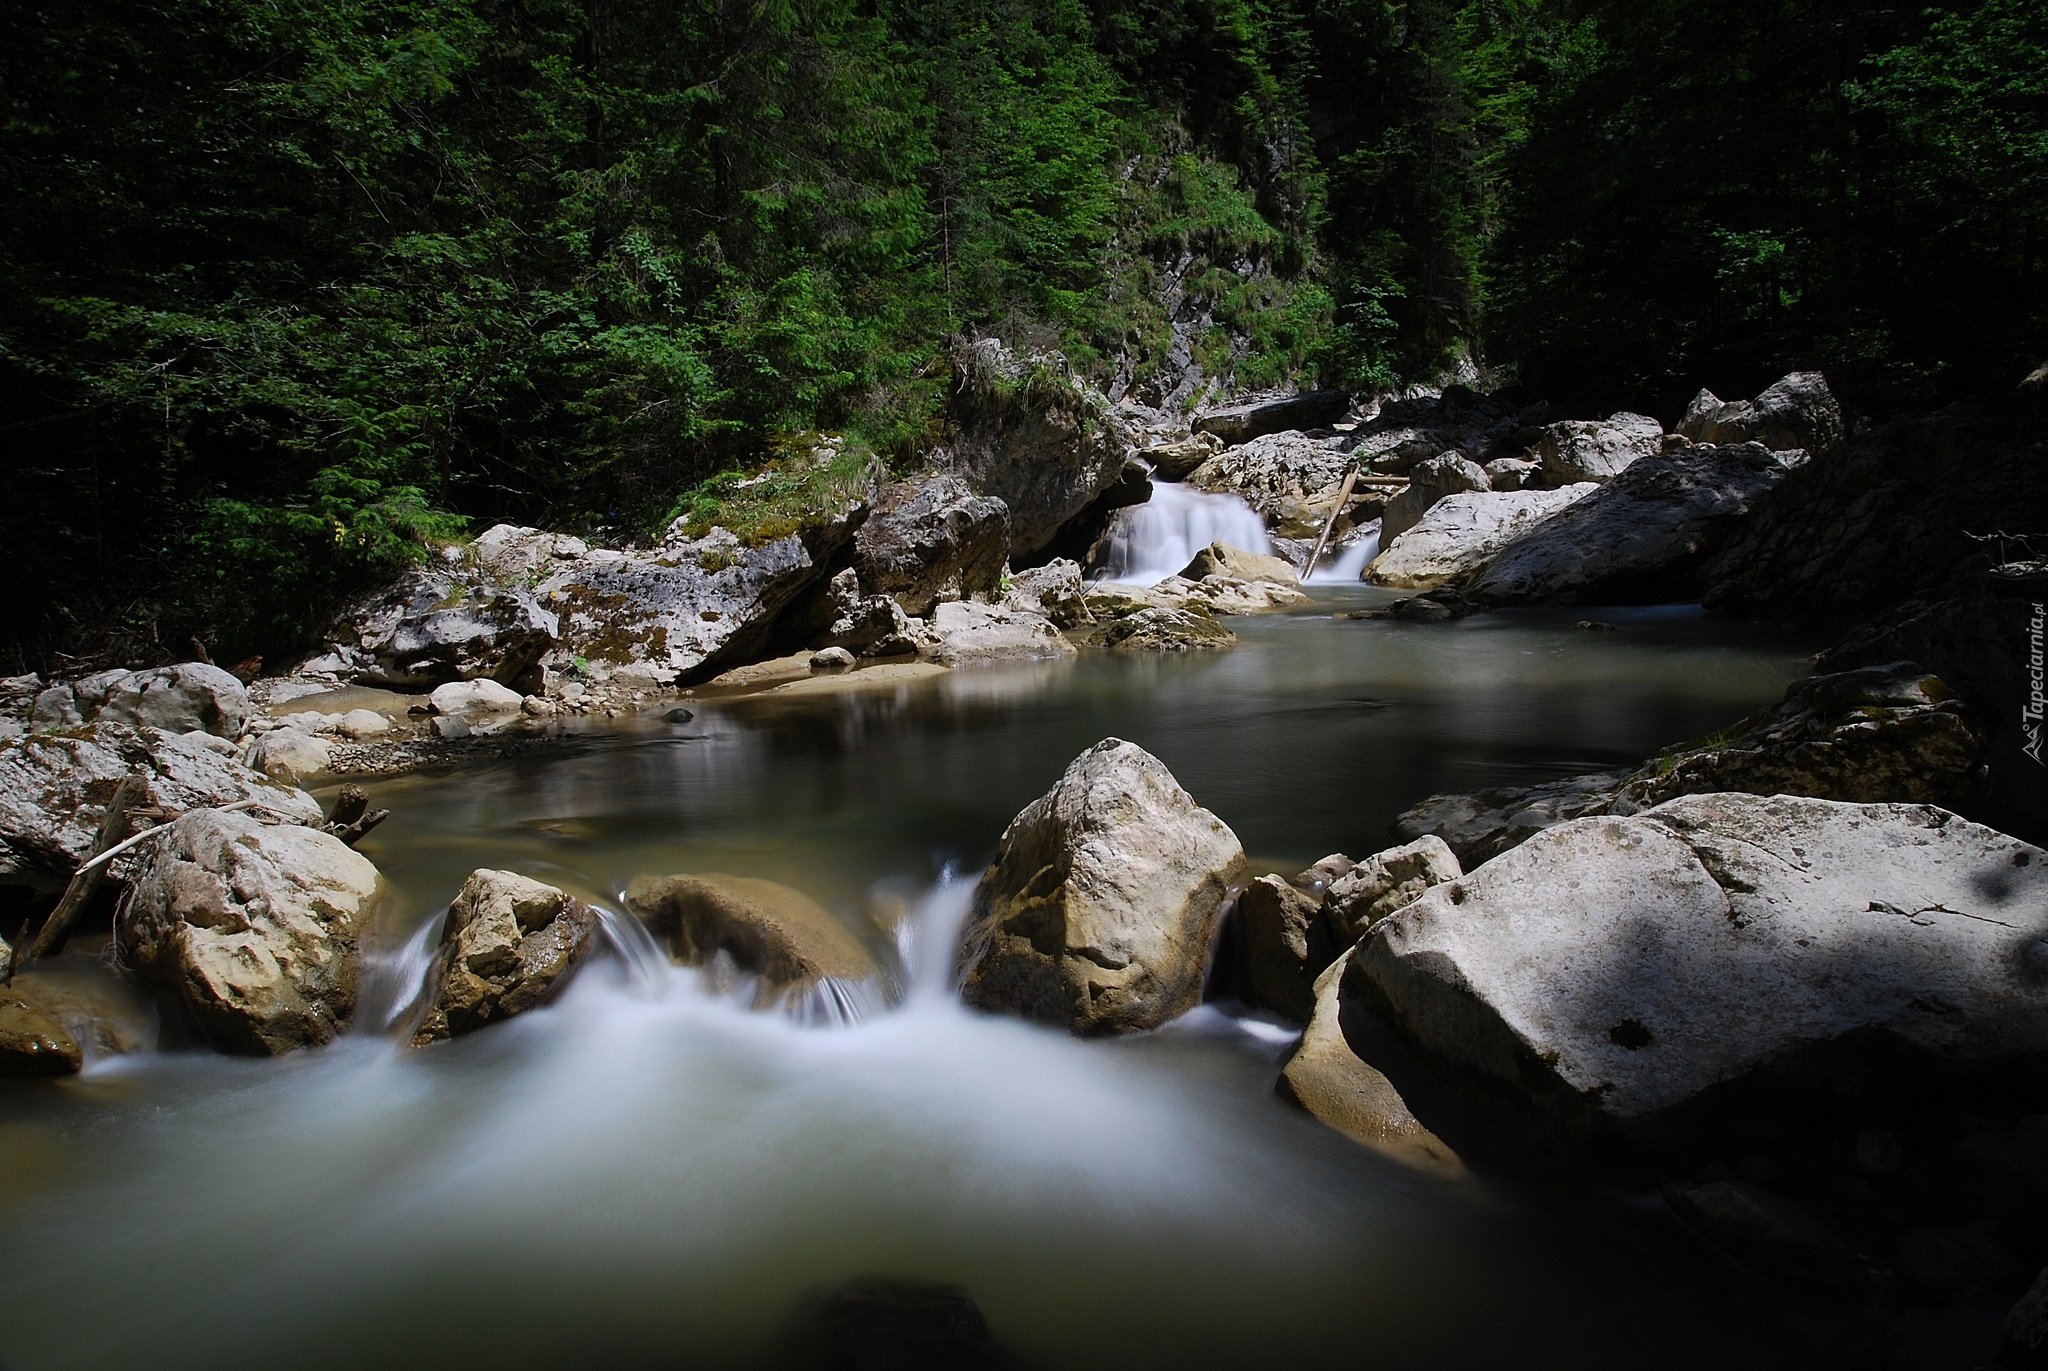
<point x="291" y="289"/>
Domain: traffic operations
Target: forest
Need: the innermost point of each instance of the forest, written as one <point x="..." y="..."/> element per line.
<point x="293" y="291"/>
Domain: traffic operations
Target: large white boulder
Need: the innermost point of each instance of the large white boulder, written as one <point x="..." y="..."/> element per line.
<point x="190" y="697"/>
<point x="1597" y="449"/>
<point x="1615" y="970"/>
<point x="1103" y="901"/>
<point x="969" y="633"/>
<point x="1459" y="533"/>
<point x="251" y="929"/>
<point x="469" y="700"/>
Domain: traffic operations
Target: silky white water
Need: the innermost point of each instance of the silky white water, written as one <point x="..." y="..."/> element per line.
<point x="646" y="1174"/>
<point x="1157" y="539"/>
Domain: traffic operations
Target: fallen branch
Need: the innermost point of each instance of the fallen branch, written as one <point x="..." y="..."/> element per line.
<point x="1343" y="500"/>
<point x="85" y="882"/>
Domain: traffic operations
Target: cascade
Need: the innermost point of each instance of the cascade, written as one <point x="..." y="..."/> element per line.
<point x="1152" y="541"/>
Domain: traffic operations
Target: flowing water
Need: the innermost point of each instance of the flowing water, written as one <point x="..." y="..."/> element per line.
<point x="648" y="1174"/>
<point x="1158" y="538"/>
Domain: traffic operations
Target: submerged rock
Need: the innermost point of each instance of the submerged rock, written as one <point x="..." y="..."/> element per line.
<point x="1642" y="537"/>
<point x="32" y="1042"/>
<point x="1329" y="1079"/>
<point x="1460" y="533"/>
<point x="251" y="929"/>
<point x="931" y="540"/>
<point x="1771" y="1235"/>
<point x="1103" y="901"/>
<point x="1891" y="733"/>
<point x="509" y="944"/>
<point x="1611" y="972"/>
<point x="54" y="790"/>
<point x="790" y="942"/>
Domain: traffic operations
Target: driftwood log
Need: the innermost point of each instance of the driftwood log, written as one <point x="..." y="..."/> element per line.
<point x="85" y="882"/>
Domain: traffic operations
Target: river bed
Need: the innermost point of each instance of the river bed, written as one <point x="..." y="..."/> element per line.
<point x="646" y="1174"/>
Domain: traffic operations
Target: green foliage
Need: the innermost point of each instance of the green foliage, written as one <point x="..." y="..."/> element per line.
<point x="800" y="489"/>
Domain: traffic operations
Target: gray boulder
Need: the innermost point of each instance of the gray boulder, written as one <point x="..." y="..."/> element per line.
<point x="1103" y="901"/>
<point x="1277" y="473"/>
<point x="1242" y="423"/>
<point x="191" y="697"/>
<point x="1221" y="559"/>
<point x="1596" y="449"/>
<point x="931" y="540"/>
<point x="252" y="930"/>
<point x="835" y="613"/>
<point x="1283" y="944"/>
<point x="1055" y="590"/>
<point x="1799" y="411"/>
<point x="1642" y="537"/>
<point x="1027" y="432"/>
<point x="447" y="622"/>
<point x="1512" y="473"/>
<point x="508" y="945"/>
<point x="969" y="633"/>
<point x="1450" y="473"/>
<point x="1613" y="971"/>
<point x="1162" y="629"/>
<point x="1480" y="825"/>
<point x="512" y="555"/>
<point x="1460" y="533"/>
<point x="54" y="790"/>
<point x="692" y="606"/>
<point x="1175" y="461"/>
<point x="1386" y="883"/>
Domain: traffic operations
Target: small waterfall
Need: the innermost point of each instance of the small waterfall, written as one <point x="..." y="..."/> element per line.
<point x="1346" y="564"/>
<point x="1152" y="541"/>
<point x="394" y="984"/>
<point x="647" y="967"/>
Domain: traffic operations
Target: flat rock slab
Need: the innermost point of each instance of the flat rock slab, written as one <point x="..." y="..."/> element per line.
<point x="1616" y="969"/>
<point x="1460" y="532"/>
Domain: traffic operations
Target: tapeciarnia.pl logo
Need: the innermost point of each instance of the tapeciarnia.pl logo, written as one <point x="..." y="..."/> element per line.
<point x="2031" y="712"/>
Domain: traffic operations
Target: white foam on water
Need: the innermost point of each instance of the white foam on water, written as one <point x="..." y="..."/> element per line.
<point x="1155" y="540"/>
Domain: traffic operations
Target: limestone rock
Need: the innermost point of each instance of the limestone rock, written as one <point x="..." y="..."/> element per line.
<point x="251" y="929"/>
<point x="1027" y="432"/>
<point x="1611" y="971"/>
<point x="1221" y="559"/>
<point x="1460" y="533"/>
<point x="1103" y="900"/>
<point x="1272" y="472"/>
<point x="1798" y="411"/>
<point x="509" y="554"/>
<point x="1054" y="590"/>
<point x="1283" y="945"/>
<point x="1431" y="480"/>
<point x="931" y="540"/>
<point x="1160" y="629"/>
<point x="1242" y="423"/>
<point x="1642" y="537"/>
<point x="473" y="700"/>
<point x="1597" y="450"/>
<point x="692" y="605"/>
<point x="830" y="659"/>
<point x="446" y="622"/>
<point x="54" y="790"/>
<point x="968" y="633"/>
<point x="1386" y="883"/>
<point x="792" y="944"/>
<point x="1219" y="594"/>
<point x="192" y="697"/>
<point x="358" y="724"/>
<point x="1512" y="473"/>
<point x="835" y="613"/>
<point x="1175" y="461"/>
<point x="290" y="755"/>
<point x="1328" y="1078"/>
<point x="509" y="944"/>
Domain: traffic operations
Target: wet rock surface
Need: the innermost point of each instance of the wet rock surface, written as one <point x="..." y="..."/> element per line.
<point x="252" y="930"/>
<point x="1330" y="1079"/>
<point x="509" y="944"/>
<point x="1621" y="974"/>
<point x="1283" y="944"/>
<point x="1103" y="901"/>
<point x="790" y="943"/>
